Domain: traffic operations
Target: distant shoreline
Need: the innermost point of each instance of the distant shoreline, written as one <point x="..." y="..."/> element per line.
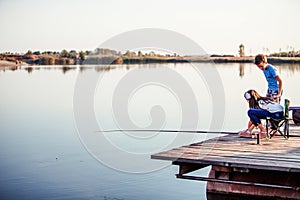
<point x="105" y="56"/>
<point x="185" y="59"/>
<point x="4" y="64"/>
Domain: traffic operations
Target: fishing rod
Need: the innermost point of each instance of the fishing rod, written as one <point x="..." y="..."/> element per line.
<point x="167" y="131"/>
<point x="175" y="131"/>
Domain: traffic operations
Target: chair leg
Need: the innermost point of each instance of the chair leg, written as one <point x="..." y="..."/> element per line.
<point x="276" y="127"/>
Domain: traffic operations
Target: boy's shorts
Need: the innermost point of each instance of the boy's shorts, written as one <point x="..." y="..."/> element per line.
<point x="272" y="93"/>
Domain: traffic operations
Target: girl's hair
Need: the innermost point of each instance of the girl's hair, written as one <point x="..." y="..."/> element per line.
<point x="260" y="58"/>
<point x="254" y="98"/>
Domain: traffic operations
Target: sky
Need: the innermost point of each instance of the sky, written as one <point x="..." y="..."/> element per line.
<point x="218" y="26"/>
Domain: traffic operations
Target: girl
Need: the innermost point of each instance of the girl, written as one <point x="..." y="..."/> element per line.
<point x="260" y="108"/>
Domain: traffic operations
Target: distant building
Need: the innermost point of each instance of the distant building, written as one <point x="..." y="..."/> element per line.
<point x="242" y="50"/>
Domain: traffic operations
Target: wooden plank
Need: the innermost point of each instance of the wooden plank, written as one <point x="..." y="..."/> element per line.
<point x="243" y="162"/>
<point x="203" y="149"/>
<point x="278" y="157"/>
<point x="230" y="159"/>
<point x="248" y="148"/>
<point x="284" y="149"/>
<point x="225" y="152"/>
<point x="261" y="158"/>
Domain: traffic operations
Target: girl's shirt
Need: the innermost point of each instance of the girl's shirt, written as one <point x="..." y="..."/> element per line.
<point x="270" y="106"/>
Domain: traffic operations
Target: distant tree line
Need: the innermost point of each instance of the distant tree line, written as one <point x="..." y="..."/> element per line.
<point x="64" y="53"/>
<point x="47" y="57"/>
<point x="286" y="54"/>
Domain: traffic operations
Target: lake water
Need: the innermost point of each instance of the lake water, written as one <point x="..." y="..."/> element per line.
<point x="52" y="120"/>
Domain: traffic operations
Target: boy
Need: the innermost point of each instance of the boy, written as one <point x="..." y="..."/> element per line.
<point x="272" y="77"/>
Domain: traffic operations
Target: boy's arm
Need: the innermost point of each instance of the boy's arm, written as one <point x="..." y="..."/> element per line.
<point x="279" y="87"/>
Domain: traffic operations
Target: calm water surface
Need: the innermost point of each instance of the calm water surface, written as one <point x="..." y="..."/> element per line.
<point x="45" y="154"/>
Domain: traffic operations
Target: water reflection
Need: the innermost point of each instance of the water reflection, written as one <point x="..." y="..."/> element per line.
<point x="29" y="70"/>
<point x="290" y="68"/>
<point x="11" y="68"/>
<point x="242" y="69"/>
<point x="65" y="69"/>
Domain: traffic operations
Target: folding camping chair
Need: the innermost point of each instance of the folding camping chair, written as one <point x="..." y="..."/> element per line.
<point x="277" y="124"/>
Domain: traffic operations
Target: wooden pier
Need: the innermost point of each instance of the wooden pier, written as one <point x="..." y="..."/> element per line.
<point x="240" y="166"/>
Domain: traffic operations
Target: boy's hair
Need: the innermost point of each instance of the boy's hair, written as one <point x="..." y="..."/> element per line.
<point x="260" y="58"/>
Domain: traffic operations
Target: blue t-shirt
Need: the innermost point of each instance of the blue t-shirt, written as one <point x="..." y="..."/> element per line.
<point x="270" y="74"/>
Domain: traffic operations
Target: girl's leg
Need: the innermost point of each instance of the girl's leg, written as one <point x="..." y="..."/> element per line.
<point x="249" y="124"/>
<point x="257" y="114"/>
<point x="261" y="128"/>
